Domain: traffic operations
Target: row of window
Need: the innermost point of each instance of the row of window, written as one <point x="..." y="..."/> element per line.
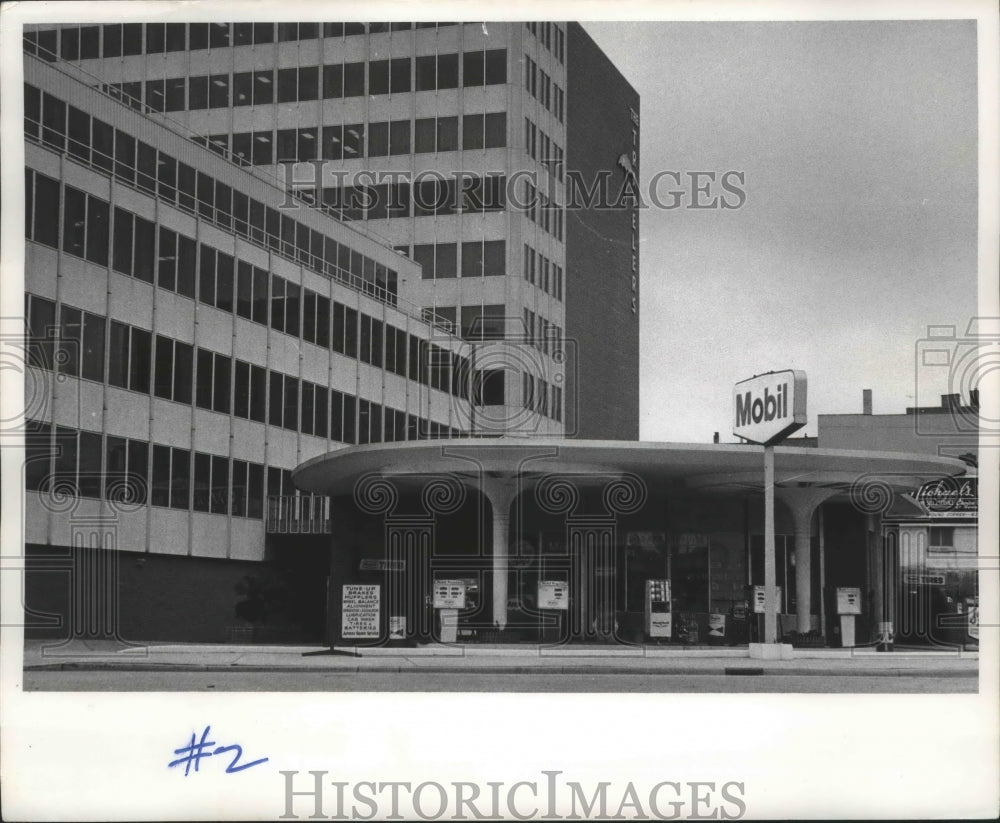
<point x="66" y="129"/>
<point x="539" y="396"/>
<point x="176" y="263"/>
<point x="541" y="333"/>
<point x="218" y="279"/>
<point x="348" y="141"/>
<point x="551" y="36"/>
<point x="82" y="344"/>
<point x="89" y="464"/>
<point x="427" y="197"/>
<point x="116" y="40"/>
<point x="139" y="361"/>
<point x="476" y="323"/>
<point x="539" y="146"/>
<point x="479" y="259"/>
<point x="541" y="272"/>
<point x="542" y="211"/>
<point x="490" y="322"/>
<point x="330" y="81"/>
<point x="543" y="88"/>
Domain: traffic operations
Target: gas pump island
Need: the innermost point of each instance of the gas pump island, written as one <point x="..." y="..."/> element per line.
<point x="768" y="408"/>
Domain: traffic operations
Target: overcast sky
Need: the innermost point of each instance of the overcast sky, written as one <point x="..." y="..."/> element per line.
<point x="858" y="141"/>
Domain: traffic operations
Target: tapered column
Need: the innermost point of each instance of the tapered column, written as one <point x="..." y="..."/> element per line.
<point x="501" y="492"/>
<point x="803" y="573"/>
<point x="802" y="503"/>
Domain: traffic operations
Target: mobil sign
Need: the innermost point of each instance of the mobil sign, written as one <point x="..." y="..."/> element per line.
<point x="769" y="407"/>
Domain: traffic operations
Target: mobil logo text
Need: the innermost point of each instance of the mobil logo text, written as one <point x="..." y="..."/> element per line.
<point x="769" y="407"/>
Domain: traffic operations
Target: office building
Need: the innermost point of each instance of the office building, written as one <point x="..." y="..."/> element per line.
<point x="250" y="244"/>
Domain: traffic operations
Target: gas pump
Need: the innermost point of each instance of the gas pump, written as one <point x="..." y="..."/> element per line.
<point x="449" y="599"/>
<point x="658" y="608"/>
<point x="553" y="602"/>
<point x="848" y="605"/>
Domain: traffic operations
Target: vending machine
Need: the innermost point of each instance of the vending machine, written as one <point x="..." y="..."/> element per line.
<point x="658" y="608"/>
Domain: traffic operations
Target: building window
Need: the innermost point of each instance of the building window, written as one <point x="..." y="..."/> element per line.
<point x="378" y="77"/>
<point x="218" y="35"/>
<point x="243" y="88"/>
<point x="447" y="133"/>
<point x="484" y="68"/>
<point x="940" y="537"/>
<point x="211" y="483"/>
<point x="69" y="47"/>
<point x="32" y="112"/>
<point x="425" y="135"/>
<point x="290" y="415"/>
<point x="174" y="370"/>
<point x="41" y="316"/>
<point x="53" y="122"/>
<point x="333" y="81"/>
<point x="426" y="73"/>
<point x="45" y="210"/>
<point x="354" y="79"/>
<point x="487" y="131"/>
<point x="213" y="381"/>
<point x="494" y="258"/>
<point x="249" y="391"/>
<point x="238" y="499"/>
<point x="129" y="357"/>
<point x="399" y="137"/>
<point x="488" y="388"/>
<point x="198" y="93"/>
<point x="473" y="68"/>
<point x="171" y="477"/>
<point x="81" y="344"/>
<point x="126" y="468"/>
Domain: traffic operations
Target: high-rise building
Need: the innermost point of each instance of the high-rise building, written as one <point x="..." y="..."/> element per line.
<point x="251" y="243"/>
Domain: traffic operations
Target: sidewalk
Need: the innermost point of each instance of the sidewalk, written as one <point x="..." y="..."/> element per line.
<point x="485" y="659"/>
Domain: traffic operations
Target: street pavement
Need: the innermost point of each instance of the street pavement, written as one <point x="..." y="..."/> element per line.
<point x="44" y="656"/>
<point x="537" y="682"/>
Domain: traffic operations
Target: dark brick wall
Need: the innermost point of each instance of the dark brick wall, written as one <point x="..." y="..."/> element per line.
<point x="602" y="396"/>
<point x="190" y="599"/>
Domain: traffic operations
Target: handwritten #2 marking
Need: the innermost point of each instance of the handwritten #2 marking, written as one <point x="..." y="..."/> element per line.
<point x="196" y="750"/>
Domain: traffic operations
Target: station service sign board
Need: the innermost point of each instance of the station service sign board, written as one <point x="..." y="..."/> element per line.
<point x="359" y="611"/>
<point x="553" y="594"/>
<point x="449" y="594"/>
<point x="770" y="406"/>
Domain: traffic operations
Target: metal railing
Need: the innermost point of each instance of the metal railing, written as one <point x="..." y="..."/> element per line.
<point x="298" y="514"/>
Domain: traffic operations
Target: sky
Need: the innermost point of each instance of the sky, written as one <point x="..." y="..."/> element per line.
<point x="858" y="141"/>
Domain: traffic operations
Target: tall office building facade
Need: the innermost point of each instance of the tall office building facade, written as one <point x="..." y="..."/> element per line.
<point x="248" y="244"/>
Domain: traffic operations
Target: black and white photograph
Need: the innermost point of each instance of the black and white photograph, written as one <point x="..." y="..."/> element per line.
<point x="575" y="415"/>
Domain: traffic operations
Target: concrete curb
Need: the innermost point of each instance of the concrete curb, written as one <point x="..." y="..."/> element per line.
<point x="382" y="668"/>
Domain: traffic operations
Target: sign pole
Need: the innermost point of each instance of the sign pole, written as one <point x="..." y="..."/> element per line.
<point x="770" y="588"/>
<point x="769" y="407"/>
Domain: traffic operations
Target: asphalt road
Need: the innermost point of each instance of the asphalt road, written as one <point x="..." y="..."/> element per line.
<point x="76" y="681"/>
